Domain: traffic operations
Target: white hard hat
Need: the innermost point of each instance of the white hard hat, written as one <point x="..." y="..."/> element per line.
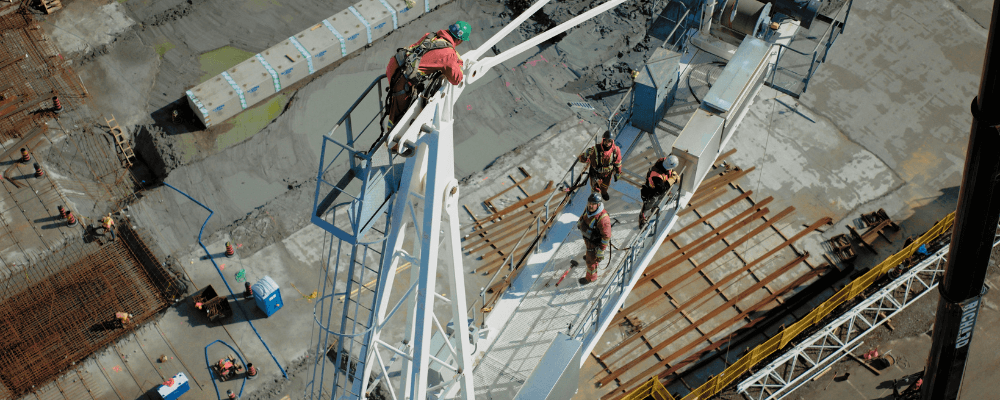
<point x="670" y="162"/>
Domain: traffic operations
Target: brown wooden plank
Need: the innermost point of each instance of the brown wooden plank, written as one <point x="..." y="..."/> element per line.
<point x="659" y="292"/>
<point x="707" y="317"/>
<point x="706" y="292"/>
<point x="710" y="215"/>
<point x="695" y="204"/>
<point x="502" y="225"/>
<point x="669" y="262"/>
<point x="502" y="213"/>
<point x="715" y="229"/>
<point x="651" y="297"/>
<point x="722" y="180"/>
<point x="502" y="192"/>
<point x="671" y="370"/>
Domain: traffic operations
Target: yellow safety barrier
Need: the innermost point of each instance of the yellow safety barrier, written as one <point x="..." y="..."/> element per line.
<point x="651" y="389"/>
<point x="779" y="341"/>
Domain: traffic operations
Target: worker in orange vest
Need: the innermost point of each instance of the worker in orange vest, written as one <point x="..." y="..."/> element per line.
<point x="595" y="225"/>
<point x="605" y="160"/>
<point x="659" y="179"/>
<point x="108" y="224"/>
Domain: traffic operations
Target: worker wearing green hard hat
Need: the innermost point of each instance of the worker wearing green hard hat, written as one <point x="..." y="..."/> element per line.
<point x="460" y="30"/>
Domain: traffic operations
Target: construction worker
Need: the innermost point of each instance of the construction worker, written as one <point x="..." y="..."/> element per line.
<point x="659" y="179"/>
<point x="108" y="224"/>
<point x="123" y="318"/>
<point x="595" y="225"/>
<point x="434" y="52"/>
<point x="605" y="160"/>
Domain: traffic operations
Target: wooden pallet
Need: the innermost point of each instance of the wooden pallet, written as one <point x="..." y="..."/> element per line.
<point x="51" y="6"/>
<point x="126" y="154"/>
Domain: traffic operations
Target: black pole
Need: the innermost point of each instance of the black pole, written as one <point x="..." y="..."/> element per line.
<point x="972" y="237"/>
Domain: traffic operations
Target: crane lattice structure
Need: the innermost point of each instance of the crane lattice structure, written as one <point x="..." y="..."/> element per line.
<point x="395" y="208"/>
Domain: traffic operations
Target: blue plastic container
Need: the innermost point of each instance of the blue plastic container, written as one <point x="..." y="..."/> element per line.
<point x="267" y="295"/>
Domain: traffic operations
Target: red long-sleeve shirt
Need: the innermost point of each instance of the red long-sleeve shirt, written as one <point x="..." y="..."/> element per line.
<point x="445" y="60"/>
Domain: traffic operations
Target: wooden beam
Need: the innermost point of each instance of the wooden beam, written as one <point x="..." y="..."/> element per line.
<point x="664" y="266"/>
<point x="711" y="315"/>
<point x="502" y="213"/>
<point x="709" y="215"/>
<point x="705" y="292"/>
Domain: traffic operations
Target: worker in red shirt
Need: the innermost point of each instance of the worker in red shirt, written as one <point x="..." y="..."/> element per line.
<point x="605" y="161"/>
<point x="434" y="52"/>
<point x="595" y="225"/>
<point x="659" y="179"/>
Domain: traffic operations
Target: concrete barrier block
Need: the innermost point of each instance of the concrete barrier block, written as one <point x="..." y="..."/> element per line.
<point x="350" y="27"/>
<point x="255" y="81"/>
<point x="406" y="14"/>
<point x="322" y="45"/>
<point x="218" y="100"/>
<point x="432" y="4"/>
<point x="381" y="18"/>
<point x="286" y="59"/>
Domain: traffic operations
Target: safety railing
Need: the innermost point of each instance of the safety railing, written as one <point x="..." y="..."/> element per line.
<point x="553" y="205"/>
<point x="782" y="339"/>
<point x="826" y="39"/>
<point x="618" y="285"/>
<point x="376" y="170"/>
<point x="651" y="389"/>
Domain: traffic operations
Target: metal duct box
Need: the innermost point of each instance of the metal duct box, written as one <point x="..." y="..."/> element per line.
<point x="737" y="75"/>
<point x="655" y="88"/>
<point x="254" y="80"/>
<point x="321" y="44"/>
<point x="698" y="145"/>
<point x="406" y="14"/>
<point x="350" y="27"/>
<point x="380" y="17"/>
<point x="214" y="100"/>
<point x="287" y="60"/>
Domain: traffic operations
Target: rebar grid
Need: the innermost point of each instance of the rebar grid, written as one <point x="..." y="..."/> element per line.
<point x="39" y="73"/>
<point x="57" y="312"/>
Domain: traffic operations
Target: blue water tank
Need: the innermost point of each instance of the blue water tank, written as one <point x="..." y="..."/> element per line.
<point x="655" y="88"/>
<point x="267" y="295"/>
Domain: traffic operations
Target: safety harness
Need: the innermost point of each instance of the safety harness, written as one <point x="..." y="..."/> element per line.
<point x="604" y="160"/>
<point x="591" y="233"/>
<point x="408" y="60"/>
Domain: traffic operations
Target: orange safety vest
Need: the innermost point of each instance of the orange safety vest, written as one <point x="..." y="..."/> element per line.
<point x="108" y="222"/>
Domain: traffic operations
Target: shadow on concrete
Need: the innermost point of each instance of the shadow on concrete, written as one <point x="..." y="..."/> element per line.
<point x="150" y="394"/>
<point x="185" y="121"/>
<point x="48" y="219"/>
<point x="221" y="256"/>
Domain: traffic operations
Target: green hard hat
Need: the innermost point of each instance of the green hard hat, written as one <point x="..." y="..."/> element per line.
<point x="460" y="30"/>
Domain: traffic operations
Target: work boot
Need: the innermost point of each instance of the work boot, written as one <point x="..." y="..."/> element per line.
<point x="605" y="196"/>
<point x="583" y="281"/>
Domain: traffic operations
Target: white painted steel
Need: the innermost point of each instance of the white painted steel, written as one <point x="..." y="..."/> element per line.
<point x="783" y="375"/>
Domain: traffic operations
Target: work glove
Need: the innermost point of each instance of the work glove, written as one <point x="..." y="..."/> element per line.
<point x="616" y="177"/>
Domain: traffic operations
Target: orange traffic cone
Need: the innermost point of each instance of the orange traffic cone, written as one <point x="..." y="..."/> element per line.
<point x="38" y="171"/>
<point x="25" y="157"/>
<point x="229" y="250"/>
<point x="70" y="219"/>
<point x="58" y="105"/>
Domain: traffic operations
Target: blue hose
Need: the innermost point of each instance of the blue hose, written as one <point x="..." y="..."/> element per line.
<point x="212" y="259"/>
<point x="209" y="365"/>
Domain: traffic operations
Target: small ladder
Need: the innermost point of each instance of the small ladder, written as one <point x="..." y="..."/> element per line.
<point x="51" y="6"/>
<point x="123" y="144"/>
